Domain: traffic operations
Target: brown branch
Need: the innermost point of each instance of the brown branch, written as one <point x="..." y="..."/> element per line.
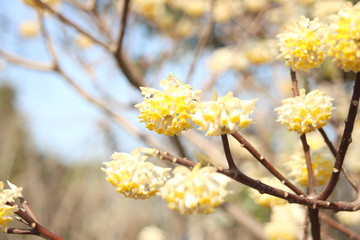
<point x="310" y="172"/>
<point x="27" y="208"/>
<point x="262" y="160"/>
<point x="39" y="66"/>
<point x="294" y="83"/>
<point x="67" y="21"/>
<point x="346" y="172"/>
<point x="118" y="118"/>
<point x="132" y="74"/>
<point x="123" y="26"/>
<point x="264" y="188"/>
<point x="37" y="228"/>
<point x="21" y="231"/>
<point x="50" y="45"/>
<point x="314" y="223"/>
<point x="130" y="71"/>
<point x="203" y="38"/>
<point x="313" y="212"/>
<point x="345" y="141"/>
<point x="229" y="158"/>
<point x="338" y="226"/>
<point x="85" y="6"/>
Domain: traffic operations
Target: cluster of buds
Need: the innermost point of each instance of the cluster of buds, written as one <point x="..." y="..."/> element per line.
<point x="304" y="45"/>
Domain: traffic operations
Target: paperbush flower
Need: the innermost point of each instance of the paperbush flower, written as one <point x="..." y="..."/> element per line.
<point x="285" y="222"/>
<point x="300" y="44"/>
<point x="225" y="59"/>
<point x="7" y="213"/>
<point x="196" y="191"/>
<point x="261" y="52"/>
<point x="168" y="112"/>
<point x="223" y="115"/>
<point x="322" y="165"/>
<point x="305" y="113"/>
<point x="133" y="176"/>
<point x="342" y="39"/>
<point x="151" y="233"/>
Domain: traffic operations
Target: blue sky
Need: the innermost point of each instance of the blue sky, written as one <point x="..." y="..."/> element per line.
<point x="60" y="122"/>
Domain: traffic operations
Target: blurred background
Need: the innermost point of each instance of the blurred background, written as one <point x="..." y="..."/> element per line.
<point x="67" y="101"/>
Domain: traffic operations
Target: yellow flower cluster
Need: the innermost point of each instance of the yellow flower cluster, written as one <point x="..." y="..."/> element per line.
<point x="322" y="165"/>
<point x="223" y="115"/>
<point x="300" y="44"/>
<point x="342" y="38"/>
<point x="7" y="213"/>
<point x="168" y="112"/>
<point x="285" y="222"/>
<point x="133" y="176"/>
<point x="305" y="113"/>
<point x="261" y="52"/>
<point x="196" y="191"/>
<point x="227" y="58"/>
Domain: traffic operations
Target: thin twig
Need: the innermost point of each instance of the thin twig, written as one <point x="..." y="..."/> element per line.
<point x="347" y="231"/>
<point x="123" y="26"/>
<point x="27" y="208"/>
<point x="21" y="231"/>
<point x="261" y="159"/>
<point x="313" y="212"/>
<point x="264" y="188"/>
<point x="50" y="45"/>
<point x="203" y="38"/>
<point x="122" y="121"/>
<point x="294" y="83"/>
<point x="72" y="24"/>
<point x="177" y="143"/>
<point x="36" y="226"/>
<point x="345" y="140"/>
<point x="39" y="66"/>
<point x="229" y="158"/>
<point x="346" y="172"/>
<point x="85" y="6"/>
<point x="310" y="172"/>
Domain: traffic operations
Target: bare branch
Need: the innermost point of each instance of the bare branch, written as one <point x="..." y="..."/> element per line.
<point x="203" y="38"/>
<point x="310" y="172"/>
<point x="229" y="158"/>
<point x="31" y="64"/>
<point x="123" y="26"/>
<point x="346" y="172"/>
<point x="72" y="24"/>
<point x="347" y="231"/>
<point x="345" y="141"/>
<point x="261" y="159"/>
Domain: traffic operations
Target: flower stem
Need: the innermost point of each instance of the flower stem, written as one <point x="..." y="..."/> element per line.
<point x="227" y="151"/>
<point x="310" y="172"/>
